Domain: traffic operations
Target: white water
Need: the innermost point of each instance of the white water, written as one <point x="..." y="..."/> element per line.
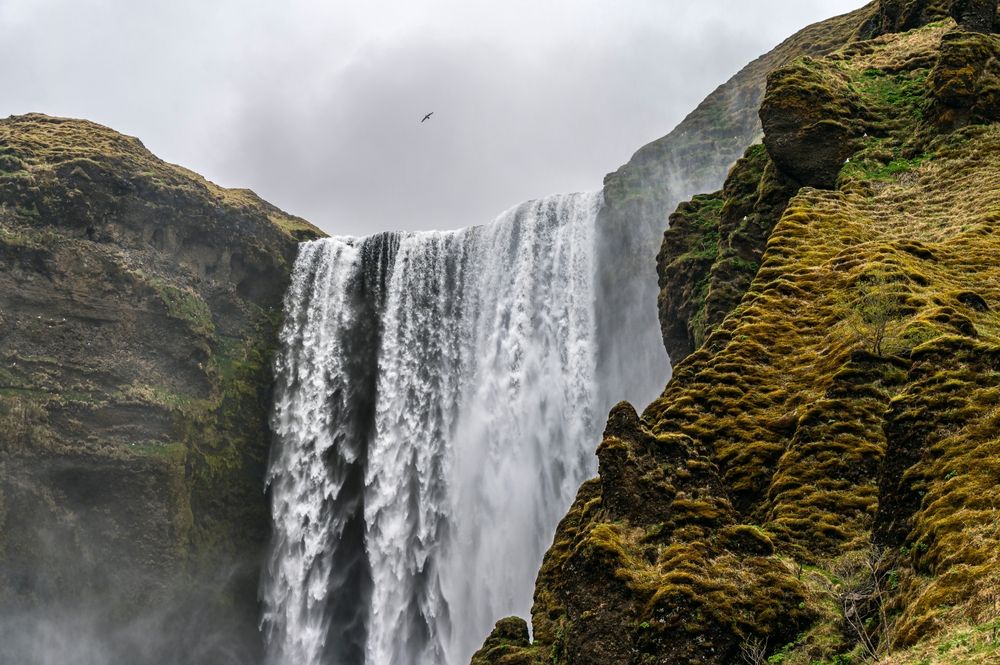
<point x="306" y="421"/>
<point x="435" y="415"/>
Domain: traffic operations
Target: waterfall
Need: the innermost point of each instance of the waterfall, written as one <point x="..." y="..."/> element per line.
<point x="435" y="413"/>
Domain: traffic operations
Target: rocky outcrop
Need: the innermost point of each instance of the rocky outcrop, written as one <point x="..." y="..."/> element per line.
<point x="815" y="119"/>
<point x="139" y="306"/>
<point x="814" y="485"/>
<point x="713" y="247"/>
<point x="966" y="81"/>
<point x="975" y="15"/>
<point x="507" y="643"/>
<point x="811" y="123"/>
<point x="904" y="15"/>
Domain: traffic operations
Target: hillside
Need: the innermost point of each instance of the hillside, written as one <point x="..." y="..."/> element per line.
<point x="816" y="483"/>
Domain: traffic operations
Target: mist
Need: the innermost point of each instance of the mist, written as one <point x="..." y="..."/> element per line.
<point x="78" y="610"/>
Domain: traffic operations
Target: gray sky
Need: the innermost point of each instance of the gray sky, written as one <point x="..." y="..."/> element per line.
<point x="316" y="105"/>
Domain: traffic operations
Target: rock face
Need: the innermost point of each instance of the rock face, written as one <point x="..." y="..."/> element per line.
<point x="815" y="484"/>
<point x="975" y="15"/>
<point x="138" y="314"/>
<point x="811" y="123"/>
<point x="904" y="15"/>
<point x="966" y="81"/>
<point x="713" y="247"/>
<point x="693" y="158"/>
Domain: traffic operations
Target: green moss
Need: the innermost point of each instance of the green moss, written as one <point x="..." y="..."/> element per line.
<point x="228" y="442"/>
<point x="184" y="304"/>
<point x="173" y="452"/>
<point x="874" y="170"/>
<point x="904" y="92"/>
<point x="712" y="249"/>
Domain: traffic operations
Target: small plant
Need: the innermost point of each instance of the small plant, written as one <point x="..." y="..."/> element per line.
<point x="753" y="651"/>
<point x="865" y="604"/>
<point x="875" y="314"/>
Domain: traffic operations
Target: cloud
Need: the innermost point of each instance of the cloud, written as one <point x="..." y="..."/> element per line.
<point x="316" y="105"/>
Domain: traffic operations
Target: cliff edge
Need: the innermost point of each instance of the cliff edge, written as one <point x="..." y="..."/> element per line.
<point x="139" y="306"/>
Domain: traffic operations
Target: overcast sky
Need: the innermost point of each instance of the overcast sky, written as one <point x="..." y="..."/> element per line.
<point x="316" y="104"/>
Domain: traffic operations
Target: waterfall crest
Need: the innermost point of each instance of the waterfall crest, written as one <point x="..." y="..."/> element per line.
<point x="435" y="396"/>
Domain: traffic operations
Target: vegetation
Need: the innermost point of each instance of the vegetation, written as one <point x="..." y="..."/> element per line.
<point x="874" y="313"/>
<point x="832" y="437"/>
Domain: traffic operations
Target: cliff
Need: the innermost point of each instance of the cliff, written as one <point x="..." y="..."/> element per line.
<point x="815" y="484"/>
<point x="695" y="157"/>
<point x="139" y="307"/>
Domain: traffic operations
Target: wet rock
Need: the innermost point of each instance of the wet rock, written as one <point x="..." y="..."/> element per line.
<point x="904" y="15"/>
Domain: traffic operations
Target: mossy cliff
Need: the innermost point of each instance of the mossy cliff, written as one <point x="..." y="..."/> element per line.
<point x="817" y="482"/>
<point x="139" y="307"/>
<point x="640" y="196"/>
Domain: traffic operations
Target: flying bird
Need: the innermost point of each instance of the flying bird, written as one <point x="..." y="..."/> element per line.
<point x="427" y="117"/>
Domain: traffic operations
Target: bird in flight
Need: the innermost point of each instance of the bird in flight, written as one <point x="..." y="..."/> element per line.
<point x="427" y="117"/>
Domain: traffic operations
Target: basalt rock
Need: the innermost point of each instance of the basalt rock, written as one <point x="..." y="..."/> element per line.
<point x="904" y="15"/>
<point x="508" y="643"/>
<point x="712" y="250"/>
<point x="811" y="123"/>
<point x="965" y="81"/>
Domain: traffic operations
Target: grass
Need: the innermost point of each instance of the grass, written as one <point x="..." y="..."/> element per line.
<point x="977" y="644"/>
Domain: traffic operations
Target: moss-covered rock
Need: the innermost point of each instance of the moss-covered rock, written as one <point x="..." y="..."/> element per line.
<point x="508" y="644"/>
<point x="965" y="80"/>
<point x="811" y="120"/>
<point x="695" y="157"/>
<point x="712" y="250"/>
<point x="905" y="15"/>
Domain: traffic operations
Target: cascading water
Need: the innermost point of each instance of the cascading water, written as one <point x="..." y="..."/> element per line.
<point x="435" y="415"/>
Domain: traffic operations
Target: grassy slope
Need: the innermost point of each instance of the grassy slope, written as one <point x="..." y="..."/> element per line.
<point x="799" y="487"/>
<point x="35" y="143"/>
